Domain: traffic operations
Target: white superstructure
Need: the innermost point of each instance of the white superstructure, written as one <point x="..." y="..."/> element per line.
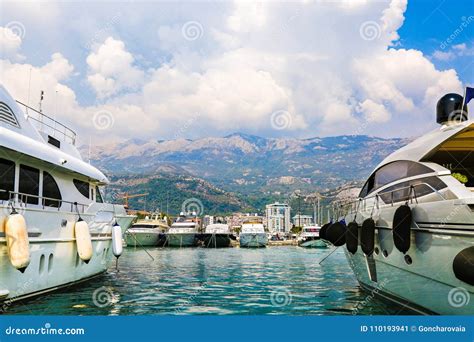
<point x="45" y="180"/>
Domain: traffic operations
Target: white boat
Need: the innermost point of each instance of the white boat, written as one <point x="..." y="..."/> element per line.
<point x="217" y="235"/>
<point x="419" y="248"/>
<point x="149" y="231"/>
<point x="183" y="232"/>
<point x="309" y="237"/>
<point x="252" y="233"/>
<point x="63" y="231"/>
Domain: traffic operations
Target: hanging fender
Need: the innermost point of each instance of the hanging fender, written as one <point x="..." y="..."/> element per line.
<point x="352" y="237"/>
<point x="18" y="245"/>
<point x="367" y="236"/>
<point x="83" y="240"/>
<point x="336" y="233"/>
<point x="402" y="220"/>
<point x="463" y="265"/>
<point x="117" y="247"/>
<point x="323" y="231"/>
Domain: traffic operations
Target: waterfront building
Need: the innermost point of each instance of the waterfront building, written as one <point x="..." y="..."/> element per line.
<point x="277" y="217"/>
<point x="302" y="220"/>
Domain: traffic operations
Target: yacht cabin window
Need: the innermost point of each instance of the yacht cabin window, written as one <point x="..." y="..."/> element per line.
<point x="402" y="191"/>
<point x="392" y="172"/>
<point x="7" y="178"/>
<point x="98" y="195"/>
<point x="82" y="187"/>
<point x="29" y="184"/>
<point x="51" y="190"/>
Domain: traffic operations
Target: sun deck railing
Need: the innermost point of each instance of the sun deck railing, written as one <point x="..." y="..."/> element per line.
<point x="48" y="125"/>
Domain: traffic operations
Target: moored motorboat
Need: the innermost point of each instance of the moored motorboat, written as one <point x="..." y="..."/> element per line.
<point x="55" y="228"/>
<point x="150" y="231"/>
<point x="410" y="235"/>
<point x="183" y="232"/>
<point x="253" y="233"/>
<point x="309" y="237"/>
<point x="217" y="235"/>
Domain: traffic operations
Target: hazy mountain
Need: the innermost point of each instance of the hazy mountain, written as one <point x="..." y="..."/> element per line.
<point x="255" y="169"/>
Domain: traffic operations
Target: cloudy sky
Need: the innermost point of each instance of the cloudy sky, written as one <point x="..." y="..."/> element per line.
<point x="164" y="70"/>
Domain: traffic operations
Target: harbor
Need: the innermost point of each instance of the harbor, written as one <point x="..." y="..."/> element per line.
<point x="237" y="158"/>
<point x="230" y="281"/>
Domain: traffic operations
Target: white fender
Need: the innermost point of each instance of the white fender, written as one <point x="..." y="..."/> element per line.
<point x="117" y="247"/>
<point x="18" y="245"/>
<point x="3" y="220"/>
<point x="83" y="240"/>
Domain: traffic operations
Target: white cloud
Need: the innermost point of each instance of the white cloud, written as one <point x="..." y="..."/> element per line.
<point x="249" y="61"/>
<point x="10" y="42"/>
<point x="112" y="70"/>
<point x="444" y="56"/>
<point x="374" y="112"/>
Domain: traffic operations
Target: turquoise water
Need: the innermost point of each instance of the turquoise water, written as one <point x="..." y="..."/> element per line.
<point x="275" y="280"/>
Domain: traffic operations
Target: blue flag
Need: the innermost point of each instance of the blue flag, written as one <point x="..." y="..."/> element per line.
<point x="469" y="95"/>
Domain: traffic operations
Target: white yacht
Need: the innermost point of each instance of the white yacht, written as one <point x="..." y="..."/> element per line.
<point x="413" y="240"/>
<point x="184" y="231"/>
<point x="150" y="231"/>
<point x="217" y="235"/>
<point x="309" y="237"/>
<point x="252" y="233"/>
<point x="55" y="229"/>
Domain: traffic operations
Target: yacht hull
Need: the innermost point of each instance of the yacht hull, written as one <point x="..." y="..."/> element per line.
<point x="421" y="279"/>
<point x="54" y="260"/>
<point x="181" y="240"/>
<point x="142" y="239"/>
<point x="253" y="240"/>
<point x="312" y="243"/>
<point x="216" y="240"/>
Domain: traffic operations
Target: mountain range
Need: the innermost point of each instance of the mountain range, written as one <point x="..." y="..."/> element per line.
<point x="244" y="171"/>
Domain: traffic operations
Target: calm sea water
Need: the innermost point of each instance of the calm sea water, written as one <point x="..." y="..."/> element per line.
<point x="275" y="280"/>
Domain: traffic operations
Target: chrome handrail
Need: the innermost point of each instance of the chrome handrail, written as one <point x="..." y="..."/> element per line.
<point x="22" y="199"/>
<point x="68" y="134"/>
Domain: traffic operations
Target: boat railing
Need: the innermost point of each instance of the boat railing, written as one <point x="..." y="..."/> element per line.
<point x="361" y="203"/>
<point x="23" y="200"/>
<point x="48" y="125"/>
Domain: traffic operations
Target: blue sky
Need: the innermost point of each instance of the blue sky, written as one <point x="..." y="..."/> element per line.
<point x="164" y="70"/>
<point x="429" y="23"/>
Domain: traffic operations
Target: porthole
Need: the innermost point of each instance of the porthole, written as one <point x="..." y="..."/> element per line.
<point x="408" y="259"/>
<point x="385" y="253"/>
<point x="376" y="251"/>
